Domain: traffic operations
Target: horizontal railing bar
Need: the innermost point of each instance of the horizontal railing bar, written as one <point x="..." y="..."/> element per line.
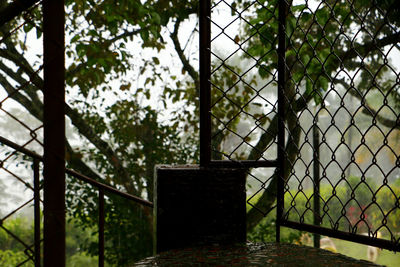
<point x="244" y="163"/>
<point x="366" y="240"/>
<point x="78" y="175"/>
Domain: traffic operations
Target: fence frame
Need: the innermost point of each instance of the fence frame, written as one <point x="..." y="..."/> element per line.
<point x="54" y="133"/>
<point x="279" y="163"/>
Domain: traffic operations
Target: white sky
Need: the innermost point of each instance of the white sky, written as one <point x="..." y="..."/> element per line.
<point x="167" y="57"/>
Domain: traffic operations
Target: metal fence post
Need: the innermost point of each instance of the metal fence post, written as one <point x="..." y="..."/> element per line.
<point x="316" y="172"/>
<point x="101" y="227"/>
<point x="205" y="85"/>
<point x="36" y="197"/>
<point x="281" y="115"/>
<point x="54" y="133"/>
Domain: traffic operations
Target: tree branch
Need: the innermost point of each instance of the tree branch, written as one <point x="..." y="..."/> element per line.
<point x="14" y="9"/>
<point x="13" y="55"/>
<point x="127" y="34"/>
<point x="28" y="88"/>
<point x="367" y="109"/>
<point x="122" y="176"/>
<point x="368" y="47"/>
<point x="185" y="62"/>
<point x="36" y="110"/>
<point x="268" y="197"/>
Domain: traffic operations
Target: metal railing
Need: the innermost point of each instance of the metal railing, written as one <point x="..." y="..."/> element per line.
<point x="33" y="76"/>
<point x="309" y="89"/>
<point x="34" y="254"/>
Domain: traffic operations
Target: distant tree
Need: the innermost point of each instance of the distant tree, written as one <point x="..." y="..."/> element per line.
<point x="120" y="141"/>
<point x="123" y="140"/>
<point x="325" y="45"/>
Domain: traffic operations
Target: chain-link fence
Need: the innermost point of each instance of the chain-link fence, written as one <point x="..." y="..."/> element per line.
<point x="21" y="70"/>
<point x="339" y="79"/>
<point x="341" y="61"/>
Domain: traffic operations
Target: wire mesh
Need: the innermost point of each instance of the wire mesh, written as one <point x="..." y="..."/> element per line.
<point x="343" y="66"/>
<point x="20" y="82"/>
<point x="341" y="108"/>
<point x="243" y="97"/>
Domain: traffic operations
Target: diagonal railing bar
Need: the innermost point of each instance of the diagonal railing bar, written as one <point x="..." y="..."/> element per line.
<point x="78" y="175"/>
<point x="21" y="78"/>
<point x="34" y="254"/>
<point x="108" y="188"/>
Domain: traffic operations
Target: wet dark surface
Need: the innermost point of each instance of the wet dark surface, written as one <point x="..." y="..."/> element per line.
<point x="251" y="254"/>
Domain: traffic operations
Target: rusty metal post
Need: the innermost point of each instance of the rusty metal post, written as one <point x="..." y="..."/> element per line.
<point x="281" y="115"/>
<point x="101" y="227"/>
<point x="205" y="83"/>
<point x="54" y="133"/>
<point x="36" y="197"/>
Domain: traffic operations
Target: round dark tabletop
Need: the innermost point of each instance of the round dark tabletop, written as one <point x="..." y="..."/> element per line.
<point x="270" y="254"/>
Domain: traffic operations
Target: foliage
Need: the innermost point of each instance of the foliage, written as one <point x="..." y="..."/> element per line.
<point x="19" y="226"/>
<point x="82" y="259"/>
<point x="127" y="228"/>
<point x="10" y="258"/>
<point x="265" y="232"/>
<point x="339" y="210"/>
<point x="325" y="45"/>
<point x="122" y="135"/>
<point x="12" y="251"/>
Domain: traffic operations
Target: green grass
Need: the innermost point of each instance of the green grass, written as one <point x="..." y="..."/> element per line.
<point x="358" y="251"/>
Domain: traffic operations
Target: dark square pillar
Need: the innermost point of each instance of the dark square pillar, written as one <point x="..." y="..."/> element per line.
<point x="198" y="206"/>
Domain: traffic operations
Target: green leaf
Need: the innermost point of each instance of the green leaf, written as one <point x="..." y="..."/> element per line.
<point x="38" y="33"/>
<point x="75" y="38"/>
<point x="27" y="27"/>
<point x="156" y="18"/>
<point x="156" y="60"/>
<point x="144" y="35"/>
<point x="263" y="71"/>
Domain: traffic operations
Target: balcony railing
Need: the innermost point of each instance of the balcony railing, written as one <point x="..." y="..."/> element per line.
<point x="33" y="252"/>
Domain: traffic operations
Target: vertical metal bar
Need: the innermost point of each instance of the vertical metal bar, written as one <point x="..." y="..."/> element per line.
<point x="205" y="82"/>
<point x="36" y="197"/>
<point x="281" y="115"/>
<point x="316" y="174"/>
<point x="54" y="133"/>
<point x="101" y="227"/>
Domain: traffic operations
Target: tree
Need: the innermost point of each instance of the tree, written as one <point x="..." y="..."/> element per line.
<point x="322" y="52"/>
<point x="123" y="140"/>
